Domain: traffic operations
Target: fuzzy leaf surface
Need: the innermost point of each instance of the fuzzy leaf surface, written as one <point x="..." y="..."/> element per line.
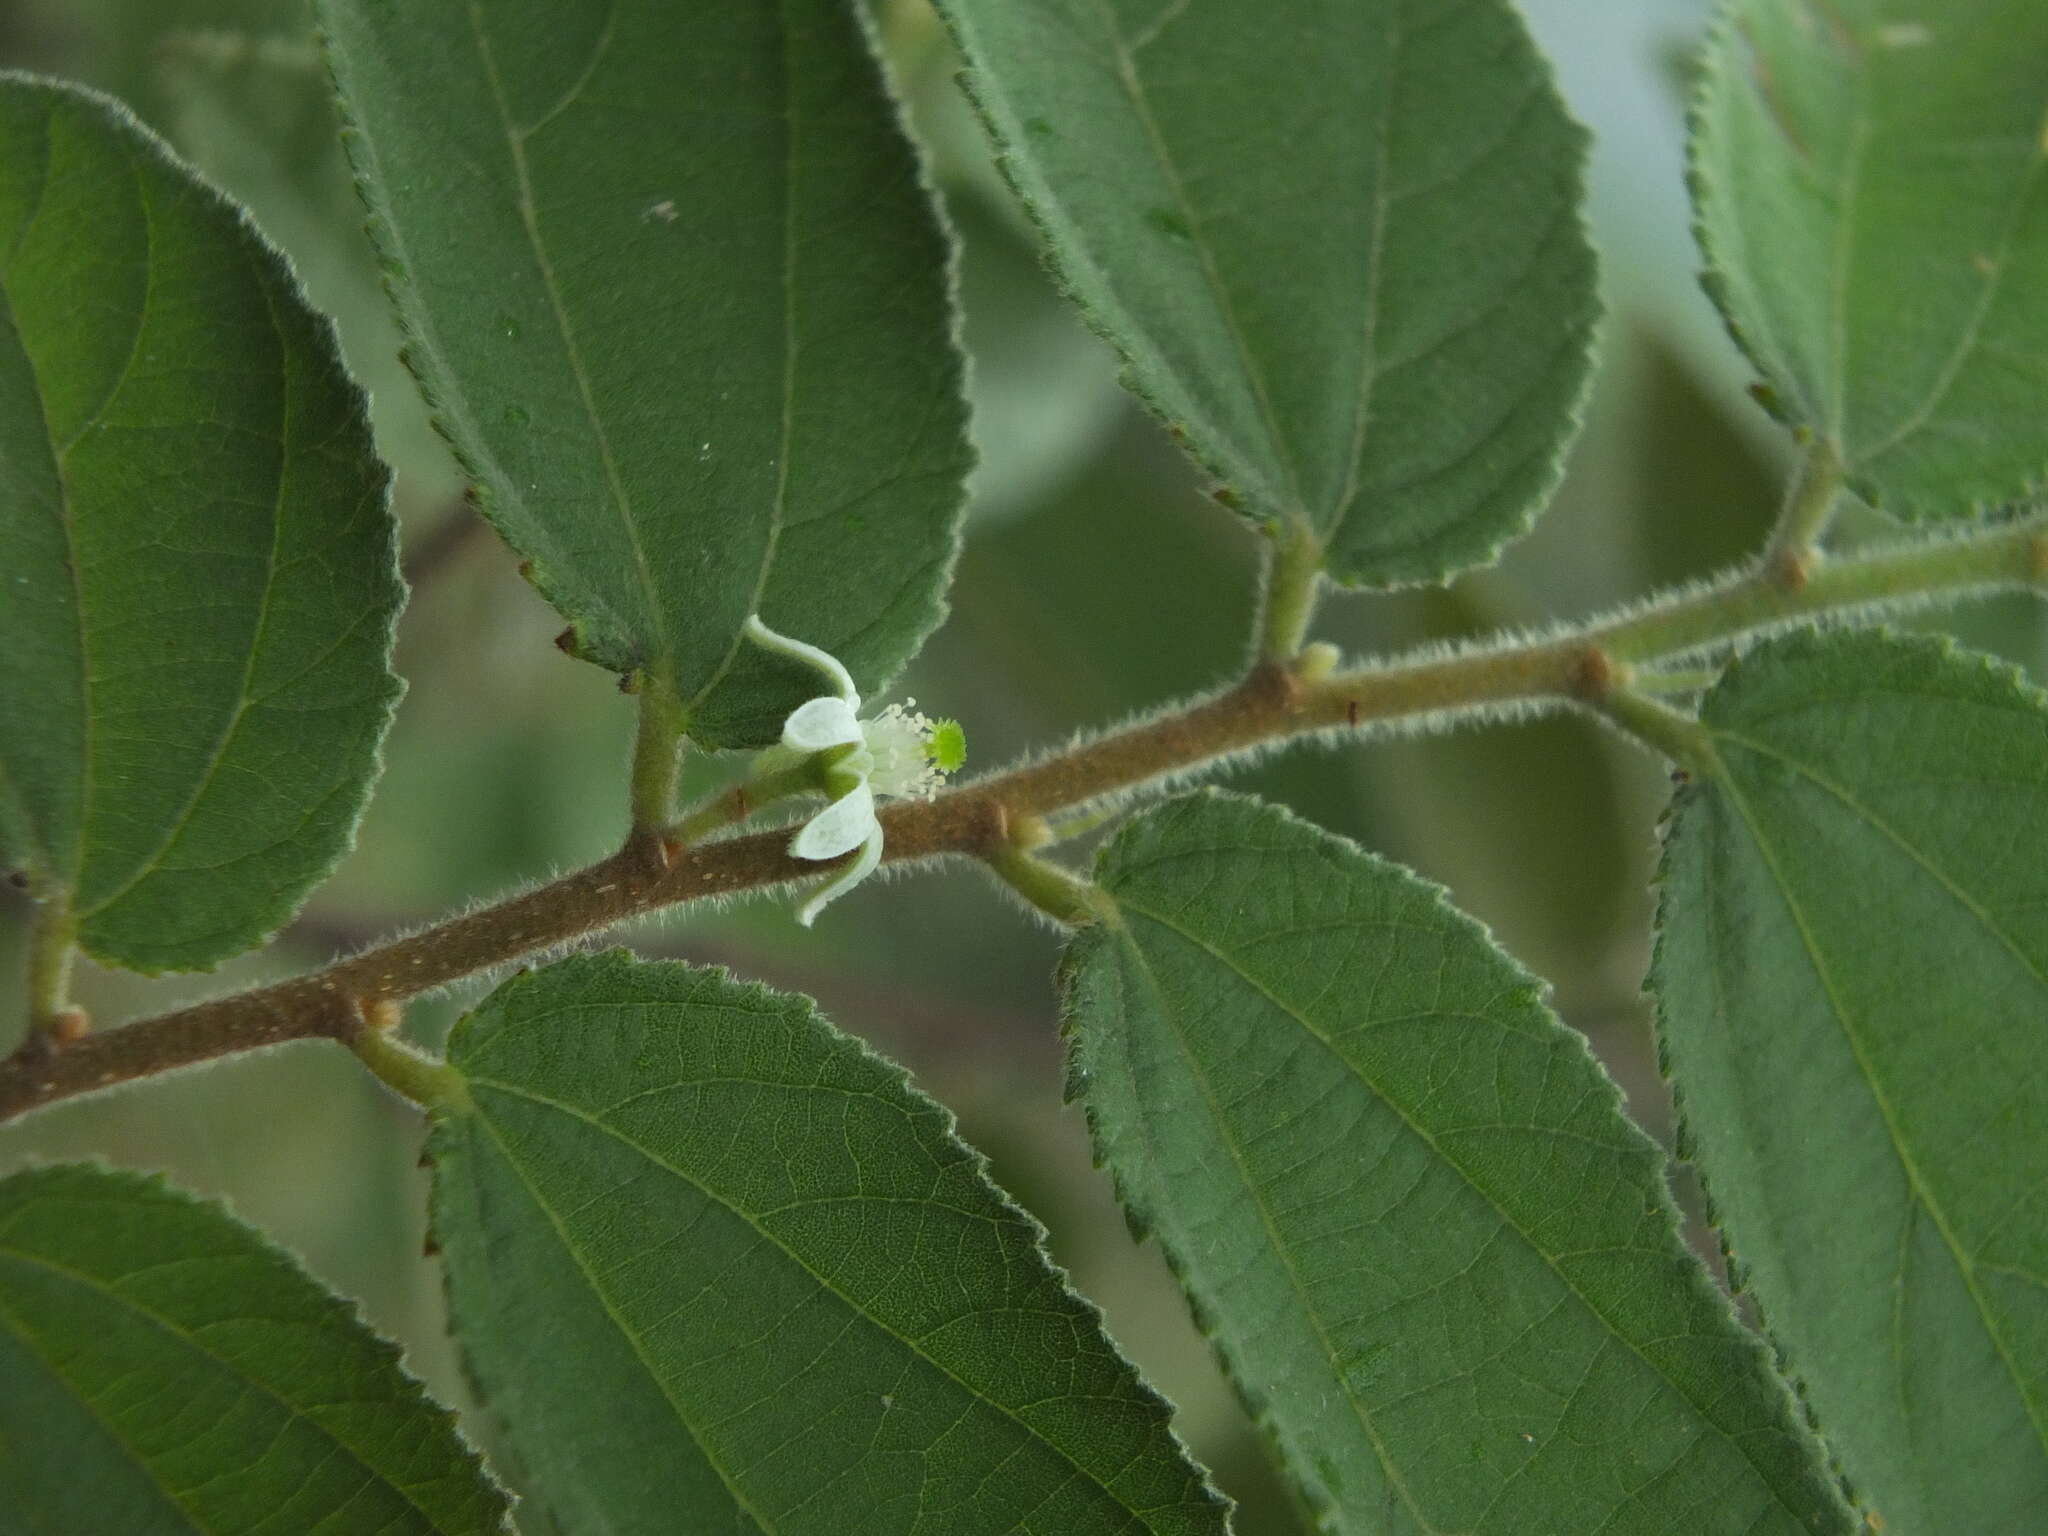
<point x="717" y="1268"/>
<point x="1872" y="198"/>
<point x="166" y="1370"/>
<point x="1337" y="243"/>
<point x="1441" y="1266"/>
<point x="677" y="292"/>
<point x="1852" y="978"/>
<point x="200" y="580"/>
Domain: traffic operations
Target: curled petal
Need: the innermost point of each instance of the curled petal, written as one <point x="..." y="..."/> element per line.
<point x="796" y="650"/>
<point x="841" y="826"/>
<point x="845" y="880"/>
<point x="820" y="723"/>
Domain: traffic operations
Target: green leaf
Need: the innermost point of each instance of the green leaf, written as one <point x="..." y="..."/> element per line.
<point x="200" y="584"/>
<point x="678" y="294"/>
<point x="1439" y="1263"/>
<point x="1852" y="977"/>
<point x="166" y="1370"/>
<point x="1868" y="176"/>
<point x="1337" y="242"/>
<point x="718" y="1269"/>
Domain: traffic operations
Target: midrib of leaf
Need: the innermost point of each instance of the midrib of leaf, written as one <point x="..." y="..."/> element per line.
<point x="1860" y="135"/>
<point x="171" y="1500"/>
<point x="823" y="1282"/>
<point x="22" y="816"/>
<point x="1279" y="1244"/>
<point x="633" y="1342"/>
<point x="60" y="458"/>
<point x="1922" y="1194"/>
<point x="1368" y="369"/>
<point x="529" y="217"/>
<point x="191" y="1341"/>
<point x="779" y="507"/>
<point x="64" y="523"/>
<point x="204" y="781"/>
<point x="1134" y="88"/>
<point x="98" y="412"/>
<point x="1506" y="1217"/>
<point x="1845" y="254"/>
<point x="88" y="756"/>
<point x="1972" y="334"/>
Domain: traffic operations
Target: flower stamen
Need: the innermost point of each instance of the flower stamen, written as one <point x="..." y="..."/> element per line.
<point x="899" y="752"/>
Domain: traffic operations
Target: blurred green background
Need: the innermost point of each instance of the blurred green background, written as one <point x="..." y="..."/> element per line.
<point x="1098" y="581"/>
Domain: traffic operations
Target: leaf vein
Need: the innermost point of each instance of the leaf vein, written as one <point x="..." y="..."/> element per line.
<point x="825" y="1283"/>
<point x="1922" y="1193"/>
<point x="1507" y="1217"/>
<point x="94" y="1285"/>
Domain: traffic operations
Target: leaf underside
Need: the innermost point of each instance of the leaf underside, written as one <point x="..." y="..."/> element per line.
<point x="200" y="579"/>
<point x="1872" y="200"/>
<point x="1337" y="243"/>
<point x="164" y="1370"/>
<point x="1852" y="980"/>
<point x="718" y="1269"/>
<point x="1437" y="1260"/>
<point x="678" y="295"/>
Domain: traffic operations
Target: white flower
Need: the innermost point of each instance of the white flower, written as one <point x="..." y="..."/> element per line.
<point x="899" y="752"/>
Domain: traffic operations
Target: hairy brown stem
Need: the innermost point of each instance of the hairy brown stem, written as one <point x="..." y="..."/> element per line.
<point x="644" y="877"/>
<point x="1270" y="704"/>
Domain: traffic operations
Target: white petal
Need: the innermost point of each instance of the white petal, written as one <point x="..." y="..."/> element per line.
<point x="820" y="723"/>
<point x="824" y="661"/>
<point x="845" y="880"/>
<point x="842" y="825"/>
